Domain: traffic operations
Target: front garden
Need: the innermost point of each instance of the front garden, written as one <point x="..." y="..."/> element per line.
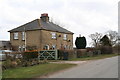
<point x="30" y="66"/>
<point x="35" y="71"/>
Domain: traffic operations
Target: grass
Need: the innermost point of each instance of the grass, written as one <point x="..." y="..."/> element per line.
<point x="34" y="71"/>
<point x="102" y="56"/>
<point x="45" y="69"/>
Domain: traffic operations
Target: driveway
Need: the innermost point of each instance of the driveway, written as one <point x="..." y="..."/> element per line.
<point x="103" y="68"/>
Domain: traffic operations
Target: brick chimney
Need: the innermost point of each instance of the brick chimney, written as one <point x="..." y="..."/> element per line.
<point x="44" y="17"/>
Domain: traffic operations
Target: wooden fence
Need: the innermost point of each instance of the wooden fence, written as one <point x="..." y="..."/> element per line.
<point x="48" y="54"/>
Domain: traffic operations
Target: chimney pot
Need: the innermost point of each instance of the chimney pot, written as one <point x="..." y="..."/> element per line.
<point x="44" y="14"/>
<point x="44" y="17"/>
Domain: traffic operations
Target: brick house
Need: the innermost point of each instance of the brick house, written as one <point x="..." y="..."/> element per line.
<point x="40" y="34"/>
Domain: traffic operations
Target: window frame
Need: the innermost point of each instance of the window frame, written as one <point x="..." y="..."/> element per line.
<point x="46" y="47"/>
<point x="64" y="36"/>
<point x="15" y="36"/>
<point x="23" y="36"/>
<point x="53" y="46"/>
<point x="54" y="35"/>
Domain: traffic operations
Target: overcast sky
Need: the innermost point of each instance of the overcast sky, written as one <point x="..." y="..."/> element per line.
<point x="79" y="16"/>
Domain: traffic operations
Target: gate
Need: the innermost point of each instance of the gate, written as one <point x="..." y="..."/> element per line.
<point x="48" y="54"/>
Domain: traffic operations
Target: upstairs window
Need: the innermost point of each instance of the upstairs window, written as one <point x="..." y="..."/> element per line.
<point x="15" y="35"/>
<point x="23" y="35"/>
<point x="65" y="37"/>
<point x="53" y="35"/>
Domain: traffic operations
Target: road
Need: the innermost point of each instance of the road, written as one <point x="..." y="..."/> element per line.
<point x="103" y="68"/>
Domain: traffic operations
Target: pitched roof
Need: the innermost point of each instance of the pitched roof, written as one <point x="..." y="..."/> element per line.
<point x="38" y="24"/>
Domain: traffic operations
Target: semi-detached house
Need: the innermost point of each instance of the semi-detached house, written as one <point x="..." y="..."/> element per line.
<point x="40" y="34"/>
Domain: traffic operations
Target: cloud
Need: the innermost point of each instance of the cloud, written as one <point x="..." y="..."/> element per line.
<point x="79" y="16"/>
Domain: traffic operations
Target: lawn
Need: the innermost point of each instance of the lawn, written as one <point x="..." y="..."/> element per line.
<point x="34" y="71"/>
<point x="102" y="56"/>
<point x="45" y="69"/>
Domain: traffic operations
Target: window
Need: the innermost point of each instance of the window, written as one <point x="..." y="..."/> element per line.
<point x="19" y="49"/>
<point x="46" y="47"/>
<point x="53" y="35"/>
<point x="65" y="37"/>
<point x="15" y="35"/>
<point x="65" y="46"/>
<point x="23" y="48"/>
<point x="53" y="46"/>
<point x="23" y="35"/>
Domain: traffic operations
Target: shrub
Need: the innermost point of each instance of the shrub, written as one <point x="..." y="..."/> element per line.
<point x="81" y="53"/>
<point x="60" y="54"/>
<point x="19" y="62"/>
<point x="80" y="42"/>
<point x="90" y="54"/>
<point x="30" y="55"/>
<point x="66" y="54"/>
<point x="6" y="64"/>
<point x="106" y="50"/>
<point x="14" y="64"/>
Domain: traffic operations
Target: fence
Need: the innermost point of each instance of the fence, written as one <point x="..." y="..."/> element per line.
<point x="48" y="54"/>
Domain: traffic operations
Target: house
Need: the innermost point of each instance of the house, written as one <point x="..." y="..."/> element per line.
<point x="40" y="34"/>
<point x="5" y="45"/>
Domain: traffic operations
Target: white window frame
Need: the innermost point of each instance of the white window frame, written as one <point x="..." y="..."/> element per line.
<point x="53" y="46"/>
<point x="23" y="35"/>
<point x="19" y="48"/>
<point x="15" y="35"/>
<point x="46" y="47"/>
<point x="54" y="35"/>
<point x="64" y="36"/>
<point x="23" y="48"/>
<point x="65" y="46"/>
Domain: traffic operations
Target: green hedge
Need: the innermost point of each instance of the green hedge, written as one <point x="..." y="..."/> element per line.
<point x="30" y="55"/>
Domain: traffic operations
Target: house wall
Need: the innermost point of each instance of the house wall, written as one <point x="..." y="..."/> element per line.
<point x="16" y="42"/>
<point x="59" y="42"/>
<point x="40" y="38"/>
<point x="32" y="39"/>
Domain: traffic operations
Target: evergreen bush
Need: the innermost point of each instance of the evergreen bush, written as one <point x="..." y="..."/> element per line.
<point x="80" y="43"/>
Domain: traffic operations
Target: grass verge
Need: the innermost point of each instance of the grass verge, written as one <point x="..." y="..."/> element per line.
<point x="34" y="71"/>
<point x="102" y="56"/>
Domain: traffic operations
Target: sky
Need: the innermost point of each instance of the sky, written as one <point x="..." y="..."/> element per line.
<point x="82" y="17"/>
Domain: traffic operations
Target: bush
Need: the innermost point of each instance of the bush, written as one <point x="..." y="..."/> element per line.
<point x="30" y="55"/>
<point x="19" y="62"/>
<point x="81" y="53"/>
<point x="106" y="50"/>
<point x="66" y="54"/>
<point x="6" y="64"/>
<point x="80" y="42"/>
<point x="14" y="64"/>
<point x="9" y="64"/>
<point x="90" y="54"/>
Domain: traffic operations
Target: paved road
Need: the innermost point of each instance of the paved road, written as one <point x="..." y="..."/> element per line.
<point x="104" y="68"/>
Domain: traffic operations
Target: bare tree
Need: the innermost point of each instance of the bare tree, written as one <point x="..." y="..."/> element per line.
<point x="113" y="36"/>
<point x="57" y="22"/>
<point x="96" y="39"/>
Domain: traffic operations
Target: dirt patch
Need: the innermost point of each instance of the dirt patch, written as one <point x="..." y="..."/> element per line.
<point x="70" y="62"/>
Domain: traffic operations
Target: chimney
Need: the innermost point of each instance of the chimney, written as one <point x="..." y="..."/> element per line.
<point x="44" y="17"/>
